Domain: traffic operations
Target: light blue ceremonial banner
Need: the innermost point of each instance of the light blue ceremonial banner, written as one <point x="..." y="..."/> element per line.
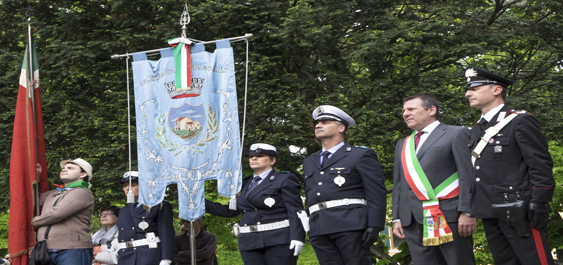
<point x="187" y="136"/>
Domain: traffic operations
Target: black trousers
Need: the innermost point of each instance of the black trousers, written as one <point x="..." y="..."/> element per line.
<point x="274" y="255"/>
<point x="457" y="252"/>
<point x="340" y="248"/>
<point x="508" y="248"/>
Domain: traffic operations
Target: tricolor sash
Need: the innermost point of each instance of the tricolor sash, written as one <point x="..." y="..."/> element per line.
<point x="436" y="229"/>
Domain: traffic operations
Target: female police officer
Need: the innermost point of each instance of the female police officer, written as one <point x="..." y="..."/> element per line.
<point x="270" y="231"/>
<point x="146" y="234"/>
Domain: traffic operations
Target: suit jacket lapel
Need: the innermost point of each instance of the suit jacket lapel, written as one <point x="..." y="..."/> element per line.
<point x="431" y="140"/>
<point x="339" y="154"/>
<point x="493" y="121"/>
<point x="264" y="184"/>
<point x="136" y="211"/>
<point x="317" y="159"/>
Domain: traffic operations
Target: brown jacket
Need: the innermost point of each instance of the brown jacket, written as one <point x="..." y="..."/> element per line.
<point x="69" y="219"/>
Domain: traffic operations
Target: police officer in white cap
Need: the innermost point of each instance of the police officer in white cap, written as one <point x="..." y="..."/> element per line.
<point x="345" y="193"/>
<point x="146" y="234"/>
<point x="270" y="232"/>
<point x="513" y="181"/>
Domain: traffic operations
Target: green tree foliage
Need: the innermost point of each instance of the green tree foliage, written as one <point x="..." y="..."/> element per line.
<point x="363" y="56"/>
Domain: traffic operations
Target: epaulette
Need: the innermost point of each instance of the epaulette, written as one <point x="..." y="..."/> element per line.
<point x="519" y="112"/>
<point x="502" y="115"/>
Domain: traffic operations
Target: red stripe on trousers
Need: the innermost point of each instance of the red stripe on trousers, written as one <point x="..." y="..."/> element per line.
<point x="539" y="245"/>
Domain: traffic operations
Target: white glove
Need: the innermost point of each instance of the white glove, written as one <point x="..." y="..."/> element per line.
<point x="165" y="262"/>
<point x="298" y="245"/>
<point x="104" y="257"/>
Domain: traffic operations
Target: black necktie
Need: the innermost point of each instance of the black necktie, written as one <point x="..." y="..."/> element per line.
<point x="482" y="125"/>
<point x="325" y="158"/>
<point x="253" y="184"/>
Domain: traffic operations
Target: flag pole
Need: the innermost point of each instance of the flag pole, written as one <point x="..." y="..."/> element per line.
<point x="32" y="97"/>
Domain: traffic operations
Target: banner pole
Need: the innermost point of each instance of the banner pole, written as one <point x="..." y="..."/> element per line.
<point x="32" y="97"/>
<point x="246" y="36"/>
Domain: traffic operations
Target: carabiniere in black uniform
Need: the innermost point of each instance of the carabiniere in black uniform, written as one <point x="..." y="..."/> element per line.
<point x="514" y="168"/>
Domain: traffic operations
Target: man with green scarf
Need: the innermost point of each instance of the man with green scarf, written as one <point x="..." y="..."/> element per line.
<point x="68" y="211"/>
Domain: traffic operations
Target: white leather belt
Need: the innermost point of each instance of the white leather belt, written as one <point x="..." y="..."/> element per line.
<point x="151" y="240"/>
<point x="334" y="203"/>
<point x="264" y="227"/>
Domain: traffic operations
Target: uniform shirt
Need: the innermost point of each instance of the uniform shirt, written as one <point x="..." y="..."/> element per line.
<point x="489" y="115"/>
<point x="262" y="176"/>
<point x="331" y="151"/>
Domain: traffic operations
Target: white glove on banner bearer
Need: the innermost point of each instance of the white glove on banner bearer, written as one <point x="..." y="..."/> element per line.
<point x="297" y="245"/>
<point x="165" y="262"/>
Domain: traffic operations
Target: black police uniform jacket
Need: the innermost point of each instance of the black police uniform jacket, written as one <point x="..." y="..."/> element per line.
<point x="160" y="223"/>
<point x="363" y="179"/>
<point x="515" y="161"/>
<point x="285" y="190"/>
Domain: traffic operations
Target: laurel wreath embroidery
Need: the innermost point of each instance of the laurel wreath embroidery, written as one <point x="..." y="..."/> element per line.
<point x="210" y="133"/>
<point x="211" y="129"/>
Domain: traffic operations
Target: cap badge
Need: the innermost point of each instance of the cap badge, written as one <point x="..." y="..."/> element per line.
<point x="320" y="110"/>
<point x="254" y="147"/>
<point x="470" y="73"/>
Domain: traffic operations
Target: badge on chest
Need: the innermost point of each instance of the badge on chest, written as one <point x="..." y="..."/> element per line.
<point x="143" y="224"/>
<point x="339" y="180"/>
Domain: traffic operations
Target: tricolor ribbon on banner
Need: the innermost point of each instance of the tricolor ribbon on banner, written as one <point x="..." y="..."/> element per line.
<point x="436" y="229"/>
<point x="183" y="62"/>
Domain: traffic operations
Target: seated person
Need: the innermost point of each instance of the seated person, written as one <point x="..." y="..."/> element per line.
<point x="105" y="240"/>
<point x="206" y="245"/>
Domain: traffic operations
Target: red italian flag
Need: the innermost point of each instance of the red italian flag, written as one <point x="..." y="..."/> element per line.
<point x="28" y="149"/>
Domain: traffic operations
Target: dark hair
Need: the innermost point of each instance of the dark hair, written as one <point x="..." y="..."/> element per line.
<point x="427" y="102"/>
<point x="112" y="208"/>
<point x="503" y="92"/>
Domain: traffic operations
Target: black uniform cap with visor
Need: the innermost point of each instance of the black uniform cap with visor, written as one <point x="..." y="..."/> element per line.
<point x="478" y="77"/>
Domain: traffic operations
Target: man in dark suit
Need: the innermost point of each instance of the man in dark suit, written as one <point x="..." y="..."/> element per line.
<point x="146" y="234"/>
<point x="340" y="181"/>
<point x="513" y="168"/>
<point x="433" y="156"/>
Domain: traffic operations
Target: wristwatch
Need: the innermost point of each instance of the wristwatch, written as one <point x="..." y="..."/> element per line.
<point x="467" y="214"/>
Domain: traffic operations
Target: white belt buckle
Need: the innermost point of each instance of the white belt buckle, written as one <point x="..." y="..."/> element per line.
<point x="322" y="205"/>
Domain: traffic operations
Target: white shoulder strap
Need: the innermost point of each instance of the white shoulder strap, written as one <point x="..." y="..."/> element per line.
<point x="489" y="133"/>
